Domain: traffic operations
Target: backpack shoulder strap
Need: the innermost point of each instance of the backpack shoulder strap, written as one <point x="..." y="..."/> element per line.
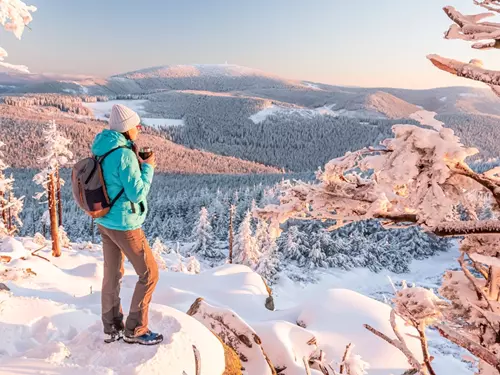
<point x="100" y="159"/>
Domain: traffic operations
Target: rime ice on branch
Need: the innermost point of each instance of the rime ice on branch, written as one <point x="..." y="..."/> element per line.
<point x="473" y="28"/>
<point x="15" y="15"/>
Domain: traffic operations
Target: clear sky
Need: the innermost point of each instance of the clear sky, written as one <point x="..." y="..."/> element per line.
<point x="344" y="42"/>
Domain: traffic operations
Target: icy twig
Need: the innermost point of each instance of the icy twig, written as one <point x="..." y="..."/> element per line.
<point x="344" y="358"/>
<point x="414" y="363"/>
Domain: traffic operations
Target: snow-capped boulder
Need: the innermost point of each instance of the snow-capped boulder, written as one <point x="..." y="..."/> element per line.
<point x="235" y="333"/>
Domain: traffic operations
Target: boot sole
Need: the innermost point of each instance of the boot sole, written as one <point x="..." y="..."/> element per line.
<point x="110" y="341"/>
<point x="140" y="342"/>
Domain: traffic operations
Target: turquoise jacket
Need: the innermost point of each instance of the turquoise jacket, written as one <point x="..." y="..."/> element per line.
<point x="121" y="170"/>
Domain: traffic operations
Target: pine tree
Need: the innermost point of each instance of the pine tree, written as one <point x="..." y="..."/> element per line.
<point x="193" y="266"/>
<point x="245" y="251"/>
<point x="204" y="236"/>
<point x="10" y="206"/>
<point x="56" y="156"/>
<point x="292" y="243"/>
<point x="269" y="263"/>
<point x="316" y="257"/>
<point x="159" y="249"/>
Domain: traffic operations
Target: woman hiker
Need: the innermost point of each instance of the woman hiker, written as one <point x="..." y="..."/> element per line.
<point x="121" y="229"/>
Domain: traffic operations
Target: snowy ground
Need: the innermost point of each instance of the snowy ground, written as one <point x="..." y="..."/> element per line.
<point x="49" y="321"/>
<point x="102" y="111"/>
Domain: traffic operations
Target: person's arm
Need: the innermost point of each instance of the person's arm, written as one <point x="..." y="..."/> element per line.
<point x="135" y="182"/>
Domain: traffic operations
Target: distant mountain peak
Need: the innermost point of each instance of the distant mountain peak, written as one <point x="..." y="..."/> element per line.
<point x="197" y="70"/>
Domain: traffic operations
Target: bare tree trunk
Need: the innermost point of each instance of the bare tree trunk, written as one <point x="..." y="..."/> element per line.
<point x="59" y="200"/>
<point x="231" y="235"/>
<point x="4" y="213"/>
<point x="54" y="227"/>
<point x="10" y="227"/>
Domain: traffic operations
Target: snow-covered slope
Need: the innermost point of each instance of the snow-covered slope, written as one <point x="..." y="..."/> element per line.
<point x="390" y="106"/>
<point x="49" y="320"/>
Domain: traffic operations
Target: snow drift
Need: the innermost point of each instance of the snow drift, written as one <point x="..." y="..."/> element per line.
<point x="50" y="319"/>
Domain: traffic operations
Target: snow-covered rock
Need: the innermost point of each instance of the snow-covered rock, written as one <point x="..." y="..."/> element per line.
<point x="336" y="317"/>
<point x="13" y="249"/>
<point x="235" y="333"/>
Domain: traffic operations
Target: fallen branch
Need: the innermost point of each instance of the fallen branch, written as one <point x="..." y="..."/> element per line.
<point x="34" y="253"/>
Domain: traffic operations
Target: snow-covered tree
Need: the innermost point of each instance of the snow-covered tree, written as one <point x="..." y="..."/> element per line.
<point x="421" y="177"/>
<point x="245" y="251"/>
<point x="292" y="243"/>
<point x="15" y="15"/>
<point x="10" y="205"/>
<point x="57" y="155"/>
<point x="316" y="257"/>
<point x="159" y="249"/>
<point x="193" y="266"/>
<point x="180" y="266"/>
<point x="204" y="236"/>
<point x="268" y="264"/>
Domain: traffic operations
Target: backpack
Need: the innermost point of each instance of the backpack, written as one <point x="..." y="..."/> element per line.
<point x="89" y="188"/>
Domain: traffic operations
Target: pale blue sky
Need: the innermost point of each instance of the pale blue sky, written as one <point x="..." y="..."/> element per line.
<point x="345" y="42"/>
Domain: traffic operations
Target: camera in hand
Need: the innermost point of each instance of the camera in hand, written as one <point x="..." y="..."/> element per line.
<point x="145" y="153"/>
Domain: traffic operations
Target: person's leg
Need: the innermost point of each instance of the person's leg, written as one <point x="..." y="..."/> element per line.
<point x="112" y="314"/>
<point x="136" y="248"/>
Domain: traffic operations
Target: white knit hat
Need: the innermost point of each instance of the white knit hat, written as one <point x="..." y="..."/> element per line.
<point x="123" y="119"/>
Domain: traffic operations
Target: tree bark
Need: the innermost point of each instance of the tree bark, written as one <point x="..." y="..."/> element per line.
<point x="59" y="200"/>
<point x="4" y="213"/>
<point x="54" y="228"/>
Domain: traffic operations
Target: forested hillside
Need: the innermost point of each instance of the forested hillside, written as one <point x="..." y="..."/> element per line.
<point x="21" y="131"/>
<point x="175" y="203"/>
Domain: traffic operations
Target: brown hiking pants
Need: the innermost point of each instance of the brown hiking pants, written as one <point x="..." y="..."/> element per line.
<point x="134" y="245"/>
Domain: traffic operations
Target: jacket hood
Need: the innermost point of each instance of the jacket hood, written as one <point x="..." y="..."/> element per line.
<point x="108" y="140"/>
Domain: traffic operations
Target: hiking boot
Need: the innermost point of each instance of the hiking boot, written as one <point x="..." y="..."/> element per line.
<point x="113" y="336"/>
<point x="148" y="338"/>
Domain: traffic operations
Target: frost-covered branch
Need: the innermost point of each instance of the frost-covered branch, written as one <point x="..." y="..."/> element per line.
<point x="414" y="363"/>
<point x="15" y="15"/>
<point x="473" y="28"/>
<point x="471" y="278"/>
<point x="472" y="70"/>
<point x="473" y="347"/>
<point x="420" y="177"/>
<point x="492" y="5"/>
